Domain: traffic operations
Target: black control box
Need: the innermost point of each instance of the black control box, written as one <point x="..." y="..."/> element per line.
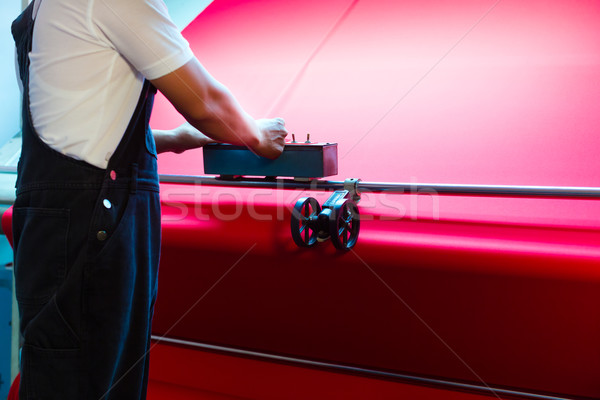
<point x="298" y="160"/>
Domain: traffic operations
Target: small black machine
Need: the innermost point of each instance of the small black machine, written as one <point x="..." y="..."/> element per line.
<point x="338" y="219"/>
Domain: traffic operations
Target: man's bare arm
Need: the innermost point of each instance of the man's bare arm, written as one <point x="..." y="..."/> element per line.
<point x="212" y="109"/>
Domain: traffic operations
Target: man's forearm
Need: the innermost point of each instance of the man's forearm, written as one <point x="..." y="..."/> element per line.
<point x="164" y="140"/>
<point x="184" y="137"/>
<point x="210" y="107"/>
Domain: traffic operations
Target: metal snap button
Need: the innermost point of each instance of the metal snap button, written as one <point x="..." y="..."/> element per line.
<point x="101" y="235"/>
<point x="113" y="175"/>
<point x="106" y="203"/>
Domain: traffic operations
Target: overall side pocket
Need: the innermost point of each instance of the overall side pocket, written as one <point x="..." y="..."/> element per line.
<point x="40" y="244"/>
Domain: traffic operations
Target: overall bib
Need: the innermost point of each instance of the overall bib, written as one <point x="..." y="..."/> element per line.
<point x="86" y="244"/>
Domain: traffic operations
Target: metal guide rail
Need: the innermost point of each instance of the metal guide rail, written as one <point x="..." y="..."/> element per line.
<point x="339" y="219"/>
<point x="493" y="392"/>
<point x="305" y="164"/>
<point x="554" y="192"/>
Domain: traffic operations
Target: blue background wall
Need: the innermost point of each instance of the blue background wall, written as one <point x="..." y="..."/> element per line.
<point x="5" y="324"/>
<point x="9" y="95"/>
<point x="185" y="11"/>
<point x="10" y="124"/>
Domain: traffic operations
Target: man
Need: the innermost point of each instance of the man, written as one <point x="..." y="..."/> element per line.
<point x="86" y="220"/>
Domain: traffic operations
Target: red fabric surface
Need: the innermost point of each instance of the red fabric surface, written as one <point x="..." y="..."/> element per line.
<point x="7" y="225"/>
<point x="509" y="97"/>
<point x="508" y="305"/>
<point x="492" y="291"/>
<point x="421" y="91"/>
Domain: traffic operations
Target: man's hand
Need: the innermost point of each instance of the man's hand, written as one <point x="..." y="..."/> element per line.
<point x="272" y="139"/>
<point x="184" y="137"/>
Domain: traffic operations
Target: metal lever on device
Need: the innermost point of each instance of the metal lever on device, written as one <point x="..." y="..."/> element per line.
<point x="338" y="220"/>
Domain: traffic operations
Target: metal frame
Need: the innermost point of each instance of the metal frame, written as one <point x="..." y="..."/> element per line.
<point x="372" y="373"/>
<point x="552" y="192"/>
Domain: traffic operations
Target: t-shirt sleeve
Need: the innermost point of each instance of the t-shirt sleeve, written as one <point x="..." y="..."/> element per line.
<point x="143" y="33"/>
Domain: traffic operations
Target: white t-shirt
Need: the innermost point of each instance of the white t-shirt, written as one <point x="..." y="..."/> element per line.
<point x="88" y="63"/>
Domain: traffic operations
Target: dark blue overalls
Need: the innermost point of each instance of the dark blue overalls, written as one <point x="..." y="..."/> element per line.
<point x="87" y="244"/>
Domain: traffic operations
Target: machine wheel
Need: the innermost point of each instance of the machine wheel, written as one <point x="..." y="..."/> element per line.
<point x="304" y="221"/>
<point x="344" y="224"/>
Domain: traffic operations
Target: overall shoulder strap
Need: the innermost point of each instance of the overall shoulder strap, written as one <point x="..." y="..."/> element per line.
<point x="22" y="31"/>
